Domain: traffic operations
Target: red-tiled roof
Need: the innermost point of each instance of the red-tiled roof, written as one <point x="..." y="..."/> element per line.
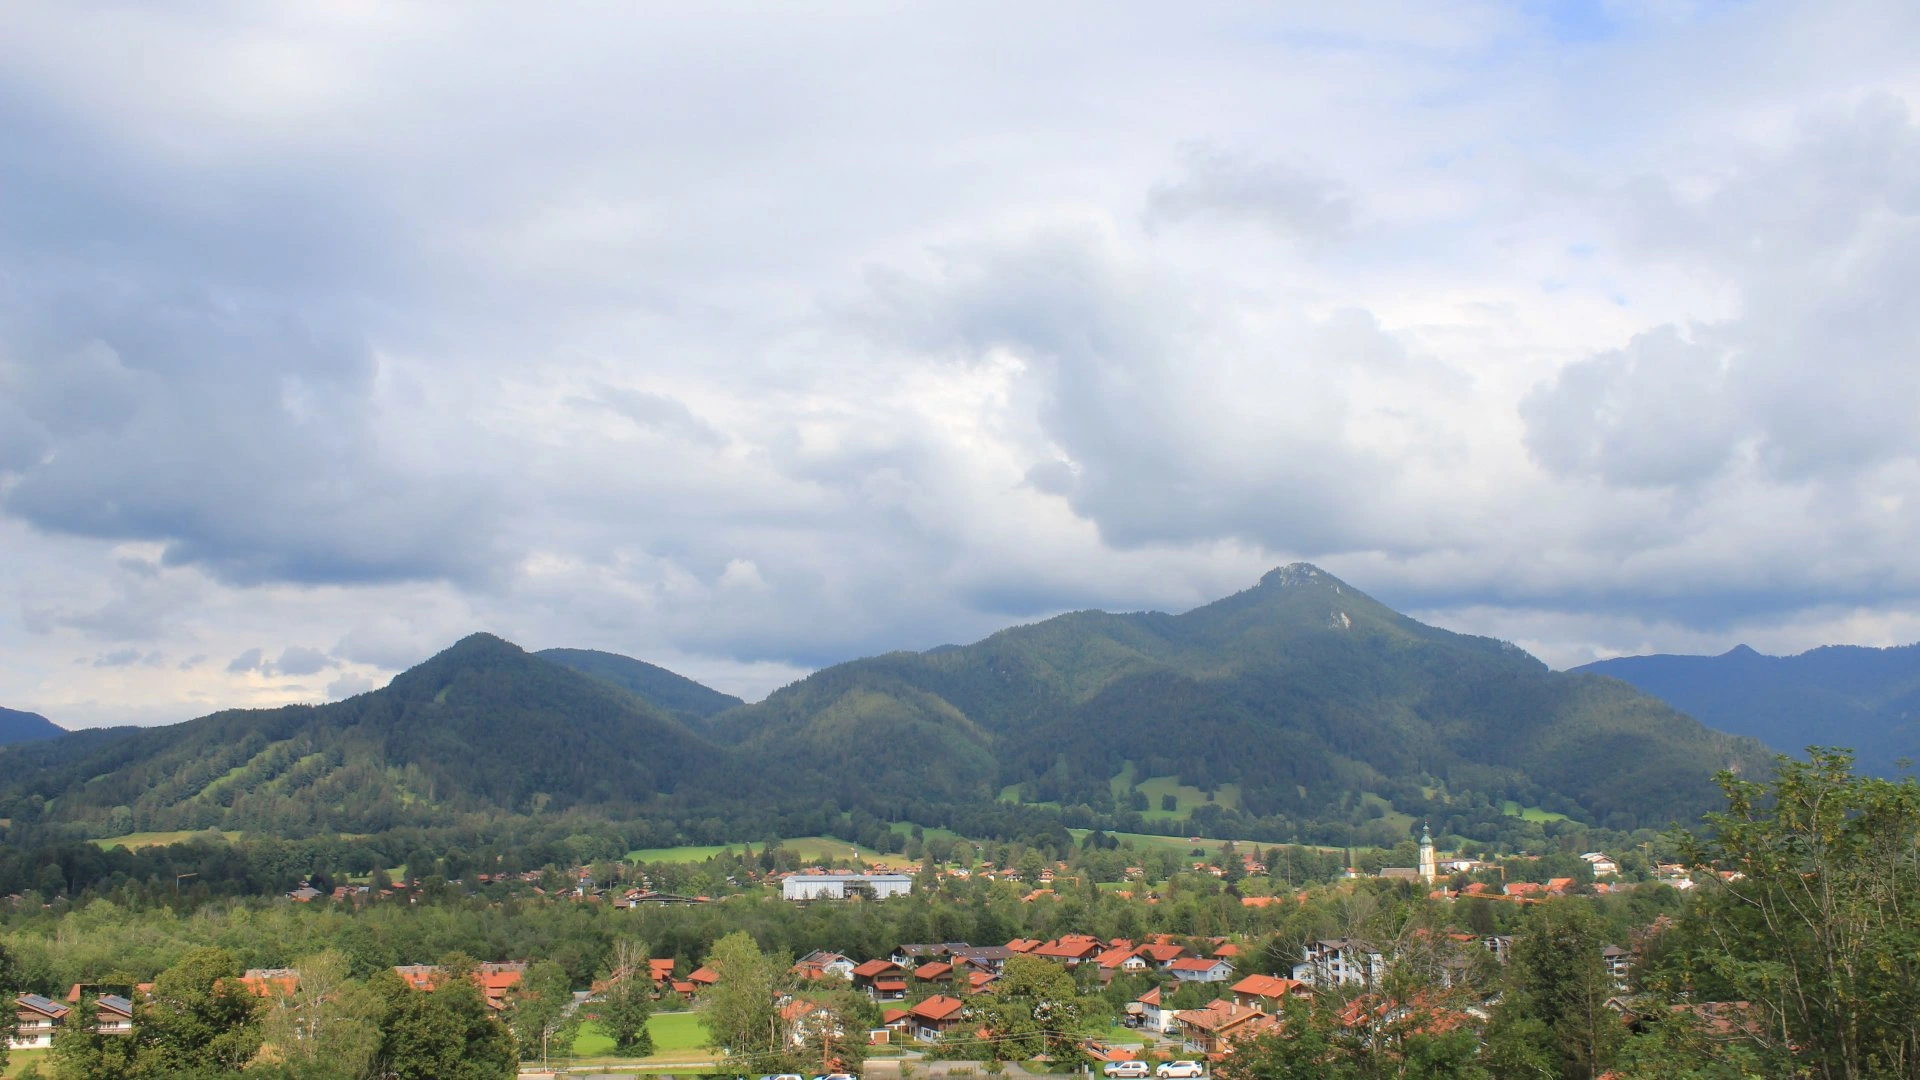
<point x="1161" y="954"/>
<point x="1266" y="986"/>
<point x="1193" y="963"/>
<point x="938" y="1007"/>
<point x="874" y="967"/>
<point x="933" y="971"/>
<point x="1113" y="958"/>
<point x="704" y="976"/>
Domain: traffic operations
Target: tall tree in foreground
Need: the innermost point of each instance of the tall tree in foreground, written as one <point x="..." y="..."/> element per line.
<point x="81" y="1052"/>
<point x="628" y="1002"/>
<point x="742" y="1021"/>
<point x="198" y="1018"/>
<point x="445" y="1034"/>
<point x="1816" y="921"/>
<point x="543" y="1018"/>
<point x="9" y="1016"/>
<point x="325" y="1022"/>
<point x="1558" y="986"/>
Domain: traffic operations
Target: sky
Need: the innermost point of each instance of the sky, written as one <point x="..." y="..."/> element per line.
<point x="750" y="338"/>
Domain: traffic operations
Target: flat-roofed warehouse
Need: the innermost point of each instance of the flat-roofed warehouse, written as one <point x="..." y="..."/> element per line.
<point x="844" y="886"/>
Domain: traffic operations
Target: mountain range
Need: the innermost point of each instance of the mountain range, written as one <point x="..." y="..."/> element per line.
<point x="1298" y="708"/>
<point x="1865" y="699"/>
<point x="19" y="727"/>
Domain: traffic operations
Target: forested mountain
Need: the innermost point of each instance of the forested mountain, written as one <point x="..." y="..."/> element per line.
<point x="1312" y="700"/>
<point x="1839" y="695"/>
<point x="1298" y="709"/>
<point x="482" y="726"/>
<point x="19" y="727"/>
<point x="670" y="692"/>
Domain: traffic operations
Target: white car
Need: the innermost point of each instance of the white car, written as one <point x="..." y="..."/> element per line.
<point x="1180" y="1070"/>
<point x="1126" y="1070"/>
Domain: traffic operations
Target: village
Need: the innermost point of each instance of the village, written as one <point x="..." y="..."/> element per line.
<point x="1198" y="996"/>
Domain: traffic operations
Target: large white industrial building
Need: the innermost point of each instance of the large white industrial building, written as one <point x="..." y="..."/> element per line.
<point x="843" y="886"/>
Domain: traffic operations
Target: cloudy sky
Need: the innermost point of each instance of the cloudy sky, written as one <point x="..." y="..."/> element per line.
<point x="749" y="338"/>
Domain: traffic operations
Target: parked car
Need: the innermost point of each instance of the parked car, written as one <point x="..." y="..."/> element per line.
<point x="1180" y="1070"/>
<point x="1126" y="1070"/>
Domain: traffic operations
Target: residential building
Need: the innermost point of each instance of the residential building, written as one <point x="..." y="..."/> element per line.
<point x="1619" y="964"/>
<point x="1268" y="992"/>
<point x="113" y="1015"/>
<point x="986" y="957"/>
<point x="1339" y="962"/>
<point x="1197" y="969"/>
<point x="881" y="980"/>
<point x="1152" y="1016"/>
<point x="1210" y="1030"/>
<point x="818" y="964"/>
<point x="37" y="1018"/>
<point x="934" y="1017"/>
<point x="1602" y="865"/>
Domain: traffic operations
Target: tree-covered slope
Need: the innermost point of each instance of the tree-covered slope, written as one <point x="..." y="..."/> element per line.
<point x="482" y="726"/>
<point x="1840" y="695"/>
<point x="665" y="690"/>
<point x="1306" y="694"/>
<point x="19" y="727"/>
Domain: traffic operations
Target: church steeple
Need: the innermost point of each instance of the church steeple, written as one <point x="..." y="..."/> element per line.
<point x="1428" y="866"/>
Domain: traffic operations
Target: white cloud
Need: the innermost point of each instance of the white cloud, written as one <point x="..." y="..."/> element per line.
<point x="749" y="342"/>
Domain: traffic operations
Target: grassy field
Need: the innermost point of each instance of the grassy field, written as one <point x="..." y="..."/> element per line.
<point x="678" y="1038"/>
<point x="905" y="828"/>
<point x="18" y="1061"/>
<point x="1186" y="797"/>
<point x="1530" y="813"/>
<point x="1150" y="842"/>
<point x="807" y="847"/>
<point x="135" y="841"/>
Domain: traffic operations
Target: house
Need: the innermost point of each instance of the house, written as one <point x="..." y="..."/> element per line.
<point x="113" y="1015"/>
<point x="305" y="894"/>
<point x="1209" y="1030"/>
<point x="1070" y="950"/>
<point x="1339" y="962"/>
<point x="1602" y="865"/>
<point x="270" y="982"/>
<point x="37" y="1018"/>
<point x="934" y="1017"/>
<point x="935" y="972"/>
<point x="881" y="980"/>
<point x="910" y="956"/>
<point x="816" y="965"/>
<point x="897" y="1023"/>
<point x="806" y="1019"/>
<point x="986" y="957"/>
<point x="979" y="981"/>
<point x="1619" y="964"/>
<point x="1120" y="958"/>
<point x="1022" y="945"/>
<point x="495" y="980"/>
<point x="1197" y="969"/>
<point x="1500" y="945"/>
<point x="1160" y="954"/>
<point x="845" y="886"/>
<point x="1267" y="992"/>
<point x="661" y="971"/>
<point x="1149" y="1014"/>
